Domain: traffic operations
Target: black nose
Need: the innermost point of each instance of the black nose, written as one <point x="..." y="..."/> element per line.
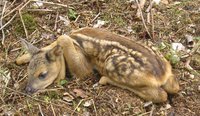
<point x="29" y="90"/>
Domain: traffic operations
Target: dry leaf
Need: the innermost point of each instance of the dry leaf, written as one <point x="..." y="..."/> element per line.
<point x="80" y="93"/>
<point x="67" y="97"/>
<point x="88" y="103"/>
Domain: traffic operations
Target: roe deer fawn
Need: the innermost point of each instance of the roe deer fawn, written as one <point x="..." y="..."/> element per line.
<point x="121" y="62"/>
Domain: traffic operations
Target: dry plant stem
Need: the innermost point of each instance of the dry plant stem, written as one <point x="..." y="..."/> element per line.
<point x="25" y="30"/>
<point x="29" y="107"/>
<point x="40" y="10"/>
<point x="2" y="100"/>
<point x="54" y="114"/>
<point x="3" y="33"/>
<point x="8" y="21"/>
<point x="55" y="25"/>
<point x="94" y="107"/>
<point x="10" y="5"/>
<point x="15" y="9"/>
<point x="77" y="18"/>
<point x="150" y="6"/>
<point x="51" y="3"/>
<point x="152" y="109"/>
<point x="141" y="5"/>
<point x="42" y="101"/>
<point x="40" y="109"/>
<point x="46" y="90"/>
<point x="149" y="13"/>
<point x="95" y="17"/>
<point x="77" y="106"/>
<point x="152" y="23"/>
<point x="143" y="21"/>
<point x="145" y="114"/>
<point x="148" y="17"/>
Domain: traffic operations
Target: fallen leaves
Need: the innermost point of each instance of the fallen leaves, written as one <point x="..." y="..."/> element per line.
<point x="80" y="93"/>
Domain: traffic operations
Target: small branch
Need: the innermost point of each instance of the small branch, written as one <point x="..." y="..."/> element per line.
<point x="152" y="23"/>
<point x="95" y="17"/>
<point x="40" y="110"/>
<point x="25" y="30"/>
<point x="40" y="10"/>
<point x="42" y="101"/>
<point x="10" y="5"/>
<point x="54" y="114"/>
<point x="51" y="3"/>
<point x="94" y="107"/>
<point x="77" y="106"/>
<point x="1" y="23"/>
<point x="8" y="21"/>
<point x="55" y="25"/>
<point x="77" y="18"/>
<point x="150" y="6"/>
<point x="143" y="21"/>
<point x="15" y="9"/>
<point x="22" y="20"/>
<point x="152" y="109"/>
<point x="141" y="5"/>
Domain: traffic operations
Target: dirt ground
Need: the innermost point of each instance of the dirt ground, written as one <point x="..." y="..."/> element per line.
<point x="169" y="23"/>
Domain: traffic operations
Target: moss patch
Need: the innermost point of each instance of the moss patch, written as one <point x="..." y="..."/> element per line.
<point x="29" y="22"/>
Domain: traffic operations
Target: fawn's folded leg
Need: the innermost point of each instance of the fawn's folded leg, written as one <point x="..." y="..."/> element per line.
<point x="154" y="94"/>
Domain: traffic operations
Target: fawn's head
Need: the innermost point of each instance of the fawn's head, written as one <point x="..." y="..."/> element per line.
<point x="44" y="66"/>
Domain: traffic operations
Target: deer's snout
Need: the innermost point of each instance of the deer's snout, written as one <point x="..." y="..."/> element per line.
<point x="30" y="90"/>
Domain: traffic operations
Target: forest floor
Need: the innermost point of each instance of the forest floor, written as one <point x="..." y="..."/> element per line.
<point x="167" y="26"/>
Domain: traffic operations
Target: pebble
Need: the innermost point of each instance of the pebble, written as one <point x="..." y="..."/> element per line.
<point x="199" y="88"/>
<point x="191" y="76"/>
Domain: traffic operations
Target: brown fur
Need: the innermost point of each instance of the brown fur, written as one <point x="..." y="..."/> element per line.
<point x="122" y="62"/>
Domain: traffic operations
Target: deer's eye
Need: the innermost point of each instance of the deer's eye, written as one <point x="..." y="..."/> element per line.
<point x="42" y="75"/>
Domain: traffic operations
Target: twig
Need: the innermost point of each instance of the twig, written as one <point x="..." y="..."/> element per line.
<point x="152" y="109"/>
<point x="24" y="5"/>
<point x="52" y="3"/>
<point x="8" y="21"/>
<point x="42" y="101"/>
<point x="150" y="6"/>
<point x="40" y="110"/>
<point x="149" y="13"/>
<point x="2" y="100"/>
<point x="53" y="110"/>
<point x="45" y="90"/>
<point x="40" y="10"/>
<point x="22" y="20"/>
<point x="16" y="8"/>
<point x="77" y="106"/>
<point x="48" y="30"/>
<point x="143" y="113"/>
<point x="143" y="19"/>
<point x="77" y="18"/>
<point x="94" y="107"/>
<point x="140" y="7"/>
<point x="1" y="23"/>
<point x="10" y="5"/>
<point x="29" y="107"/>
<point x="55" y="26"/>
<point x="95" y="17"/>
<point x="152" y="23"/>
<point x="23" y="24"/>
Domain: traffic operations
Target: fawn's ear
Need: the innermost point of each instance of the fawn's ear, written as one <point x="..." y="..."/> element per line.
<point x="55" y="52"/>
<point x="29" y="47"/>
